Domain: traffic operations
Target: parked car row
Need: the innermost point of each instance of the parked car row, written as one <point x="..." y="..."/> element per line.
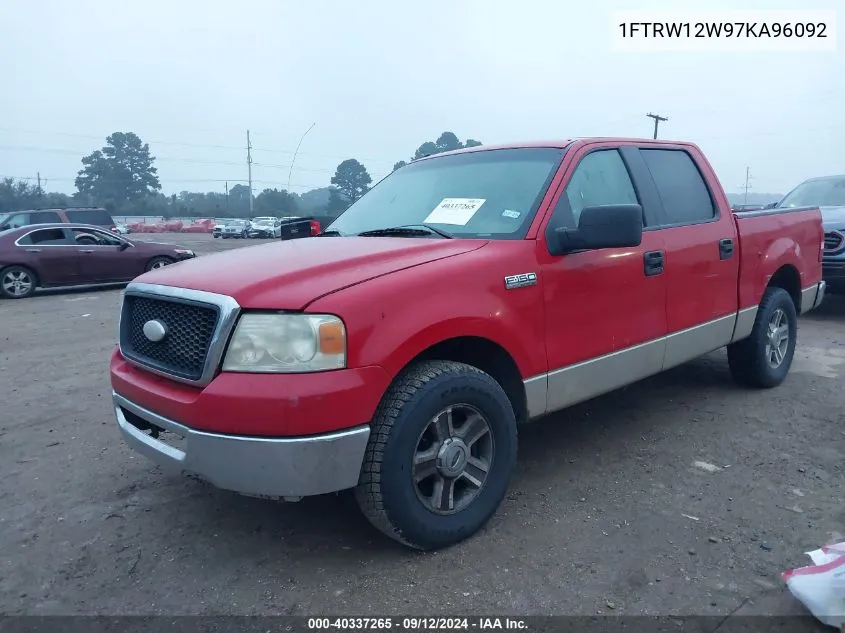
<point x="286" y="228"/>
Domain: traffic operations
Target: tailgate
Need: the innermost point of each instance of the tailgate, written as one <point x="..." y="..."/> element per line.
<point x="296" y="229"/>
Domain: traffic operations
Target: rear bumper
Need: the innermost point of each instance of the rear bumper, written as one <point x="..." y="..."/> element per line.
<point x="833" y="272"/>
<point x="254" y="466"/>
<point x="812" y="297"/>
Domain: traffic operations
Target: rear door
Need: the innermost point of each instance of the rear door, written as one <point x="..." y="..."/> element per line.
<point x="50" y="254"/>
<point x="104" y="261"/>
<point x="605" y="309"/>
<point x="702" y="255"/>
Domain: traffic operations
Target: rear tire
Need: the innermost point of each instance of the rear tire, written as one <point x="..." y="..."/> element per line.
<point x="17" y="282"/>
<point x="158" y="262"/>
<point x="440" y="456"/>
<point x="763" y="359"/>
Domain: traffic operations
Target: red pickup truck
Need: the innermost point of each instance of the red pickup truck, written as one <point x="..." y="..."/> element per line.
<point x="398" y="352"/>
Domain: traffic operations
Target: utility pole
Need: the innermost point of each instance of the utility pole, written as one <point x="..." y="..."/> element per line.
<point x="249" y="168"/>
<point x="227" y="197"/>
<point x="38" y="174"/>
<point x="747" y="184"/>
<point x="657" y="119"/>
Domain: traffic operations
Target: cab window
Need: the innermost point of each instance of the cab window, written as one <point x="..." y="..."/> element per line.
<point x="601" y="178"/>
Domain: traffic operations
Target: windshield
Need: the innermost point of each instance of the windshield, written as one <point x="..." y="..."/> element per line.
<point x="263" y="222"/>
<point x="826" y="192"/>
<point x="489" y="194"/>
<point x="237" y="222"/>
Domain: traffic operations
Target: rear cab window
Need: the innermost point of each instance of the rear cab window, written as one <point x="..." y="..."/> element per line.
<point x="684" y="194"/>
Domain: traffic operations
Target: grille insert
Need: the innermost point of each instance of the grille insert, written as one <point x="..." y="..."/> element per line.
<point x="190" y="328"/>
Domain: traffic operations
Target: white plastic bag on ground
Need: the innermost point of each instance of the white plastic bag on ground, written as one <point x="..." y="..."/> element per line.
<point x="821" y="586"/>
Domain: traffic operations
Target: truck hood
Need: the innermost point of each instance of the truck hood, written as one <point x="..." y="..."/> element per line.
<point x="291" y="274"/>
<point x="833" y="217"/>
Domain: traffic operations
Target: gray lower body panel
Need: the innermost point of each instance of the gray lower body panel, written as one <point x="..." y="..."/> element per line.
<point x="254" y="466"/>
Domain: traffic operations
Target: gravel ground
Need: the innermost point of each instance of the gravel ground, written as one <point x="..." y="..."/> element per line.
<point x="682" y="494"/>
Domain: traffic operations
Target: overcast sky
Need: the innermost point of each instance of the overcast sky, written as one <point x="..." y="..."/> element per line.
<point x="380" y="77"/>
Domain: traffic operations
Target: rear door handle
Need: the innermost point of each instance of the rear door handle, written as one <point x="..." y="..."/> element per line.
<point x="726" y="248"/>
<point x="86" y="250"/>
<point x="653" y="263"/>
<point x="33" y="250"/>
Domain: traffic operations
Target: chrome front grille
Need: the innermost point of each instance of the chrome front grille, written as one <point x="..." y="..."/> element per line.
<point x="196" y="326"/>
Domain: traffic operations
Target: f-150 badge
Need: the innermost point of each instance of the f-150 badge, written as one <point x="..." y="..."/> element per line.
<point x="520" y="281"/>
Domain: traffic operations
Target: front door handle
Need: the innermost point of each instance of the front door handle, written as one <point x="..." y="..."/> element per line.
<point x="33" y="250"/>
<point x="726" y="248"/>
<point x="653" y="263"/>
<point x="86" y="250"/>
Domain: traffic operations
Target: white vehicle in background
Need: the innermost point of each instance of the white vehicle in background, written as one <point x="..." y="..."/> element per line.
<point x="265" y="227"/>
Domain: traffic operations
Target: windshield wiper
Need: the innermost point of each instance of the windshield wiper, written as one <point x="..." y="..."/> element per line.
<point x="407" y="229"/>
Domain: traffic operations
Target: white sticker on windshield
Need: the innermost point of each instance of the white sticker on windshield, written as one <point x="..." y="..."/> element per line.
<point x="508" y="213"/>
<point x="456" y="211"/>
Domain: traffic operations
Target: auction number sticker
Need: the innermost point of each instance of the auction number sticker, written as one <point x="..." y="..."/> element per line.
<point x="457" y="211"/>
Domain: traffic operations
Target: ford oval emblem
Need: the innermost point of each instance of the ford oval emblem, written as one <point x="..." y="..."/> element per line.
<point x="155" y="331"/>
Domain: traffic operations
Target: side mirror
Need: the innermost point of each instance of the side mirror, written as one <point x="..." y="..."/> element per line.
<point x="604" y="226"/>
<point x="123" y="246"/>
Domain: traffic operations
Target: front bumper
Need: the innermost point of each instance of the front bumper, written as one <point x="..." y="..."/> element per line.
<point x="254" y="466"/>
<point x="833" y="272"/>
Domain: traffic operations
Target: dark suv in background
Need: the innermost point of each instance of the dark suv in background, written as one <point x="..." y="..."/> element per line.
<point x="828" y="194"/>
<point x="73" y="215"/>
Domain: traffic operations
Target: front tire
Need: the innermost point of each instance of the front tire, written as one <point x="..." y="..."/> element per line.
<point x="441" y="453"/>
<point x="17" y="282"/>
<point x="763" y="359"/>
<point x="158" y="262"/>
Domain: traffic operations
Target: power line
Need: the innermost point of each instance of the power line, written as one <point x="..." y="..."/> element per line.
<point x="194" y="161"/>
<point x="205" y="146"/>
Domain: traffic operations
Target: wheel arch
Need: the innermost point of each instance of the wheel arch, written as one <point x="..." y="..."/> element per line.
<point x="484" y="354"/>
<point x="788" y="278"/>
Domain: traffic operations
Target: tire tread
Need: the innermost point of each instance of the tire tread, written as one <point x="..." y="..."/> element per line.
<point x="405" y="387"/>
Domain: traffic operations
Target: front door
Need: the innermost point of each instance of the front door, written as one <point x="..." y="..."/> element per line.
<point x="605" y="309"/>
<point x="101" y="258"/>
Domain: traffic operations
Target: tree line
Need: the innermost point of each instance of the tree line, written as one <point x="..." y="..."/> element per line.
<point x="122" y="177"/>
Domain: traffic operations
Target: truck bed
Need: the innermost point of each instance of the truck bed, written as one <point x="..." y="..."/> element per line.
<point x="772" y="238"/>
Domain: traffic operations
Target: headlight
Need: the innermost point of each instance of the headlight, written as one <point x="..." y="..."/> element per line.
<point x="184" y="251"/>
<point x="287" y="343"/>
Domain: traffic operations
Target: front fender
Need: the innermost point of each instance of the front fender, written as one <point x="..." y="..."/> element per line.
<point x="393" y="318"/>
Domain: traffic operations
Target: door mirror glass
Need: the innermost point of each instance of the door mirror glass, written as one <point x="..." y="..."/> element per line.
<point x="603" y="226"/>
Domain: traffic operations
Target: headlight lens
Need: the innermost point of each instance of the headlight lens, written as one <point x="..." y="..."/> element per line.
<point x="287" y="343"/>
<point x="184" y="251"/>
